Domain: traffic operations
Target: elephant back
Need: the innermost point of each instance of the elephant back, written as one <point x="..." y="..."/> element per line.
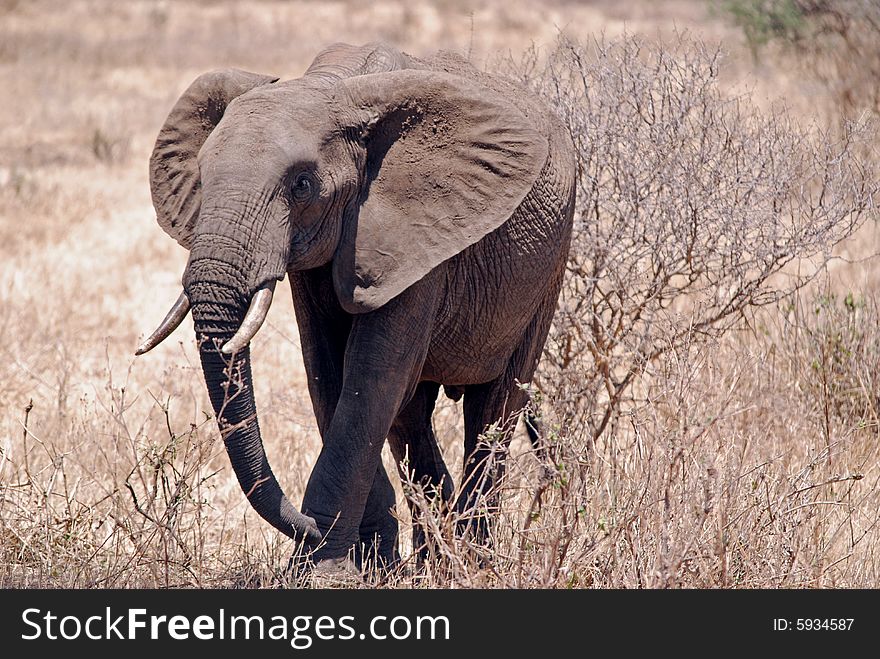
<point x="342" y="60"/>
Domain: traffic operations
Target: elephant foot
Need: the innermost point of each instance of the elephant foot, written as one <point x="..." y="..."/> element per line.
<point x="336" y="573"/>
<point x="378" y="554"/>
<point x="475" y="533"/>
<point x="371" y="559"/>
<point x="304" y="571"/>
<point x="475" y="529"/>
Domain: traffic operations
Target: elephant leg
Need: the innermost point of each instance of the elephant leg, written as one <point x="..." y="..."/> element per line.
<point x="384" y="357"/>
<point x="500" y="402"/>
<point x="418" y="456"/>
<point x="485" y="452"/>
<point x="324" y="328"/>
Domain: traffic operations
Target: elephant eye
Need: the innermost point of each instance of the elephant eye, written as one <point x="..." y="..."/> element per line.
<point x="302" y="187"/>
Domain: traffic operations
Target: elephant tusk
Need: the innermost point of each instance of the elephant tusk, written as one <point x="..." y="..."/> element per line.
<point x="254" y="318"/>
<point x="172" y="319"/>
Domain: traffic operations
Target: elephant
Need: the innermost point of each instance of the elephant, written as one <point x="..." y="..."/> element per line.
<point x="422" y="212"/>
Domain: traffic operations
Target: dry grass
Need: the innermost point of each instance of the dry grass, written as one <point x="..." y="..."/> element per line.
<point x="703" y="486"/>
<point x="747" y="459"/>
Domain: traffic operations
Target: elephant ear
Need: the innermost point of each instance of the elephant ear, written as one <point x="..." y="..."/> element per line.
<point x="448" y="161"/>
<point x="174" y="171"/>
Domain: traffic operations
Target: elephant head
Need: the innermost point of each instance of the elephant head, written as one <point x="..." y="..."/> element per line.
<point x="384" y="176"/>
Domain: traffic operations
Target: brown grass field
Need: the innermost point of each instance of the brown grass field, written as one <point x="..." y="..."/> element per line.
<point x="751" y="460"/>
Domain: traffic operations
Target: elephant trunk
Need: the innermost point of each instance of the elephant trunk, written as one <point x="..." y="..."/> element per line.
<point x="218" y="308"/>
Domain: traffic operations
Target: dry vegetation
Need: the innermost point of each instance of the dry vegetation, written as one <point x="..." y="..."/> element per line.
<point x="709" y="396"/>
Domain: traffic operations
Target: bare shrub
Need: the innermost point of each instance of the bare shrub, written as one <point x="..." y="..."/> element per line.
<point x="693" y="208"/>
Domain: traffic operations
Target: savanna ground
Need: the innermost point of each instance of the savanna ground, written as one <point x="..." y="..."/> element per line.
<point x="740" y="452"/>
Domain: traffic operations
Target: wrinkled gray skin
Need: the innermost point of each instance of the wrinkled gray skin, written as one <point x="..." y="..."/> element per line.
<point x="422" y="211"/>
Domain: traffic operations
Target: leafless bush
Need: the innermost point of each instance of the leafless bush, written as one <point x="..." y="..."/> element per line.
<point x="693" y="208"/>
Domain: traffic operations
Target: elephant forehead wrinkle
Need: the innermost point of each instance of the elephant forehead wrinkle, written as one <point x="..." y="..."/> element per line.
<point x="265" y="107"/>
<point x="245" y="174"/>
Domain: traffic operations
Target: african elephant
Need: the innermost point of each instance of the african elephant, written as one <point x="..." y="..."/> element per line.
<point x="422" y="211"/>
